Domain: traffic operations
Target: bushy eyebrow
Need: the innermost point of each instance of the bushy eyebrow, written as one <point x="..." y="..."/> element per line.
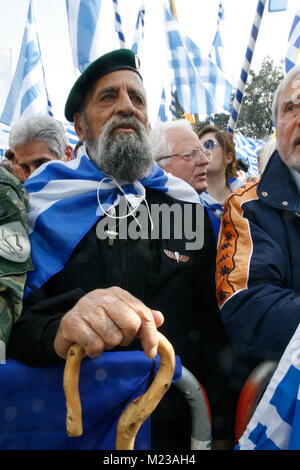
<point x="112" y="89"/>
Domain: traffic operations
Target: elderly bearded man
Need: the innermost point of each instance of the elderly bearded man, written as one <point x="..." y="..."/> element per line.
<point x="100" y="293"/>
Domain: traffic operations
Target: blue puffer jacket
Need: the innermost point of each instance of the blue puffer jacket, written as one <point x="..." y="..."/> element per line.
<point x="258" y="263"/>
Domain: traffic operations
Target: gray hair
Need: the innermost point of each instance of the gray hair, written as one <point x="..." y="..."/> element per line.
<point x="43" y="128"/>
<point x="161" y="146"/>
<point x="282" y="85"/>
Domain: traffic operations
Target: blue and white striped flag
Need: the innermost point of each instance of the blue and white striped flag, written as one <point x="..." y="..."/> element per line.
<point x="84" y="30"/>
<point x="201" y="86"/>
<point x="139" y="32"/>
<point x="293" y="53"/>
<point x="61" y="214"/>
<point x="71" y="133"/>
<point x="28" y="94"/>
<point x="275" y="424"/>
<point x="247" y="149"/>
<point x="216" y="52"/>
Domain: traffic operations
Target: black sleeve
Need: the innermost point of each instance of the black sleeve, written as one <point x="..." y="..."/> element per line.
<point x="32" y="336"/>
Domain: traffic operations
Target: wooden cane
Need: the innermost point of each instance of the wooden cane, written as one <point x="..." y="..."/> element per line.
<point x="136" y="412"/>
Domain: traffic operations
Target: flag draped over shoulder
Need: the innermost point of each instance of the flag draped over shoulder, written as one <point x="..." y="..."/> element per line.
<point x="247" y="149"/>
<point x="63" y="207"/>
<point x="28" y="93"/>
<point x="33" y="409"/>
<point x="201" y="87"/>
<point x="293" y="53"/>
<point x="84" y="30"/>
<point x="275" y="424"/>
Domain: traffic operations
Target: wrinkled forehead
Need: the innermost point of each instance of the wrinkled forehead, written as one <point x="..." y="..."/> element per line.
<point x="126" y="79"/>
<point x="291" y="93"/>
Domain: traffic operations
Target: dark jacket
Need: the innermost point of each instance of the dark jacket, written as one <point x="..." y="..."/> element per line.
<point x="258" y="263"/>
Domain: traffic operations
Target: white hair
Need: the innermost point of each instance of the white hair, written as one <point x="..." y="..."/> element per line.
<point x="39" y="127"/>
<point x="282" y="85"/>
<point x="161" y="146"/>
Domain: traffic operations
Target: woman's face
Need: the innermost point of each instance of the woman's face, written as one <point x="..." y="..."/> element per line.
<point x="219" y="159"/>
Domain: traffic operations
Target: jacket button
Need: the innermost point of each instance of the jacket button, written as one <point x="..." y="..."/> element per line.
<point x="285" y="203"/>
<point x="264" y="194"/>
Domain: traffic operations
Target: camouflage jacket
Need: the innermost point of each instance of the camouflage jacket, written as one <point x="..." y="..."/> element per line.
<point x="14" y="250"/>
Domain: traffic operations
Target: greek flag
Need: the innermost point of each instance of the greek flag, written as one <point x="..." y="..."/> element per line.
<point x="277" y="5"/>
<point x="217" y="45"/>
<point x="139" y="32"/>
<point x="84" y="30"/>
<point x="28" y="94"/>
<point x="64" y="205"/>
<point x="247" y="150"/>
<point x="293" y="53"/>
<point x="201" y="86"/>
<point x="71" y="133"/>
<point x="275" y="424"/>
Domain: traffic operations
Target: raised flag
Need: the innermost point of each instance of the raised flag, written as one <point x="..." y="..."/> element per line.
<point x="217" y="45"/>
<point x="275" y="424"/>
<point x="84" y="30"/>
<point x="28" y="93"/>
<point x="118" y="24"/>
<point x="139" y="32"/>
<point x="201" y="87"/>
<point x="247" y="150"/>
<point x="277" y="5"/>
<point x="293" y="53"/>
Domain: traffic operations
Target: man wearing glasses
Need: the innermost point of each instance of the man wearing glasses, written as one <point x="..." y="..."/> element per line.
<point x="177" y="149"/>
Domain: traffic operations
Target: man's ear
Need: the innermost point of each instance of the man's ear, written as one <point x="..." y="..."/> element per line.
<point x="78" y="126"/>
<point x="68" y="153"/>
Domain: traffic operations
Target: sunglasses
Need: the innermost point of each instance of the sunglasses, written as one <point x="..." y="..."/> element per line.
<point x="210" y="144"/>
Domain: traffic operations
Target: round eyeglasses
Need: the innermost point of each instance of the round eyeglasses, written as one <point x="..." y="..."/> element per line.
<point x="210" y="144"/>
<point x="191" y="155"/>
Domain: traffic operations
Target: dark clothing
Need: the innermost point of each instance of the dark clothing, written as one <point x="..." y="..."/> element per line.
<point x="182" y="291"/>
<point x="258" y="264"/>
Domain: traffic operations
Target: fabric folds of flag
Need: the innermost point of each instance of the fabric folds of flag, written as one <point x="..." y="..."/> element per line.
<point x="83" y="19"/>
<point x="33" y="407"/>
<point x="139" y="32"/>
<point x="64" y="199"/>
<point x="28" y="94"/>
<point x="217" y="45"/>
<point x="201" y="87"/>
<point x="293" y="53"/>
<point x="247" y="149"/>
<point x="275" y="424"/>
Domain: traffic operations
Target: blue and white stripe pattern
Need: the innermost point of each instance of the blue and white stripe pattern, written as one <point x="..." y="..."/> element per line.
<point x="247" y="149"/>
<point x="216" y="52"/>
<point x="118" y="24"/>
<point x="275" y="424"/>
<point x="27" y="95"/>
<point x="139" y="32"/>
<point x="201" y="87"/>
<point x="71" y="133"/>
<point x="293" y="53"/>
<point x="84" y="30"/>
<point x="246" y="66"/>
<point x="63" y="207"/>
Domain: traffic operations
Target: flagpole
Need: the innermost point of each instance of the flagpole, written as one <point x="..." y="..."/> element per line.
<point x="246" y="67"/>
<point x="118" y="23"/>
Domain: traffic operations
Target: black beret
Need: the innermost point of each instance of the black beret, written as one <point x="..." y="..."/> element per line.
<point x="116" y="60"/>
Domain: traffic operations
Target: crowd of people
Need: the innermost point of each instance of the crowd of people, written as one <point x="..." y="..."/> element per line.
<point x="225" y="302"/>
